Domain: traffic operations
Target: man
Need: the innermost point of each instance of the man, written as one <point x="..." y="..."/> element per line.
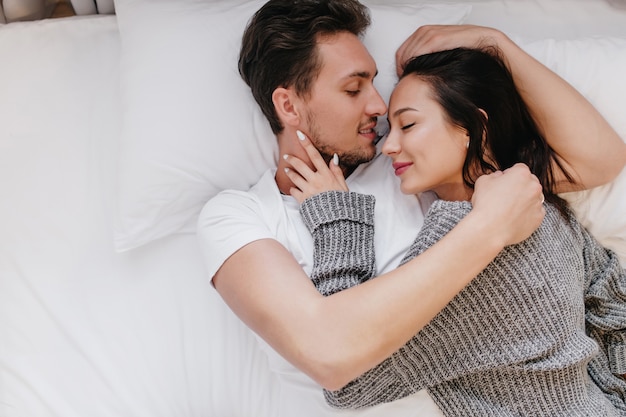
<point x="309" y="71"/>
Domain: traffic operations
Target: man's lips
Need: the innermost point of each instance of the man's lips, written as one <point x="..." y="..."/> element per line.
<point x="401" y="167"/>
<point x="369" y="131"/>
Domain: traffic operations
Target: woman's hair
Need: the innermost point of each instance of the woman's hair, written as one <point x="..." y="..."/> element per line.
<point x="279" y="45"/>
<point x="464" y="82"/>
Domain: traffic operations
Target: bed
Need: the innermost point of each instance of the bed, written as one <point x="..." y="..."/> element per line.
<point x="115" y="129"/>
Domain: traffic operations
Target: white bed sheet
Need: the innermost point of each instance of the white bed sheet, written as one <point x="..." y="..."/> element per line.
<point x="86" y="331"/>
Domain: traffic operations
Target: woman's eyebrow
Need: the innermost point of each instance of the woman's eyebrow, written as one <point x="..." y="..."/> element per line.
<point x="402" y="110"/>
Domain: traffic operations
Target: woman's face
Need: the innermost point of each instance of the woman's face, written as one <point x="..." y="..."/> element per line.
<point x="427" y="150"/>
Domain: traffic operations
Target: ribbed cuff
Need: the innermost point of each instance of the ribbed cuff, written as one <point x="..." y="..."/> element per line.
<point x="331" y="206"/>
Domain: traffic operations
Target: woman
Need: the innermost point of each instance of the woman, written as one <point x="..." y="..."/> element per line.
<point x="541" y="331"/>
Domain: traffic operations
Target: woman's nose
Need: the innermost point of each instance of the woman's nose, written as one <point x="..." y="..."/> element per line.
<point x="391" y="144"/>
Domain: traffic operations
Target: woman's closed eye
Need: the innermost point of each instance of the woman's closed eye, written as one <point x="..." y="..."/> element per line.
<point x="408" y="126"/>
<point x="353" y="93"/>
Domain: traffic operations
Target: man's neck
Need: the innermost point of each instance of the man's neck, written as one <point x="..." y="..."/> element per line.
<point x="287" y="146"/>
<point x="284" y="184"/>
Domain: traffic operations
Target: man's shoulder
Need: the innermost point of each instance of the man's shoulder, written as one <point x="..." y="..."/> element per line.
<point x="261" y="193"/>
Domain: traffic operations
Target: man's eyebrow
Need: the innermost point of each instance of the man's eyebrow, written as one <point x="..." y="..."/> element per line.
<point x="362" y="74"/>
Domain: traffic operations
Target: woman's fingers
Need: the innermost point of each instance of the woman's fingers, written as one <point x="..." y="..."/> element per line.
<point x="309" y="181"/>
<point x="311" y="151"/>
<point x="299" y="166"/>
<point x="336" y="170"/>
<point x="318" y="161"/>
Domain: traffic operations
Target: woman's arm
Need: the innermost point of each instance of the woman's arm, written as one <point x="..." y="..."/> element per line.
<point x="335" y="339"/>
<point x="580" y="136"/>
<point x="342" y="226"/>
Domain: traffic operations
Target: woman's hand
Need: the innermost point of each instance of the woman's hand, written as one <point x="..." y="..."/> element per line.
<point x="308" y="182"/>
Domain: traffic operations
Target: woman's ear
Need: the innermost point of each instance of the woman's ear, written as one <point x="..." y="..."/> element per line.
<point x="285" y="103"/>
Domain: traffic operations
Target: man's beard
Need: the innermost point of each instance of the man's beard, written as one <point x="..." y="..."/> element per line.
<point x="347" y="160"/>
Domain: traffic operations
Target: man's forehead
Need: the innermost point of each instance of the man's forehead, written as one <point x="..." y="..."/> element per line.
<point x="344" y="56"/>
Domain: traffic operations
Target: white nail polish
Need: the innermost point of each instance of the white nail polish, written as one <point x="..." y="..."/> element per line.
<point x="287" y="170"/>
<point x="300" y="135"/>
<point x="285" y="156"/>
<point x="336" y="159"/>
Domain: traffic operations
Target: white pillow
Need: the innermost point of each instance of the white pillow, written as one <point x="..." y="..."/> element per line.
<point x="190" y="125"/>
<point x="596" y="67"/>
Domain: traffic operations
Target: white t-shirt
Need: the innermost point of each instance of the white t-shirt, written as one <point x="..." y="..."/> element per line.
<point x="232" y="219"/>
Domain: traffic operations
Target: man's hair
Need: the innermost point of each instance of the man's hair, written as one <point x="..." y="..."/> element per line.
<point x="279" y="45"/>
<point x="465" y="81"/>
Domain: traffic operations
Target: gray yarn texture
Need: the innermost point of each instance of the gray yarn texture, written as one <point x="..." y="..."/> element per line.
<point x="540" y="332"/>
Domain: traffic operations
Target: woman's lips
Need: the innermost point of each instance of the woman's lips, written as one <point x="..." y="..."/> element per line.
<point x="401" y="167"/>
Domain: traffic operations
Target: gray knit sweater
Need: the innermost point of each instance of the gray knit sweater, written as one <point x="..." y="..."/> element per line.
<point x="515" y="342"/>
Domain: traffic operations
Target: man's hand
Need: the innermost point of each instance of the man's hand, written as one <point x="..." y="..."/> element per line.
<point x="432" y="38"/>
<point x="578" y="134"/>
<point x="511" y="203"/>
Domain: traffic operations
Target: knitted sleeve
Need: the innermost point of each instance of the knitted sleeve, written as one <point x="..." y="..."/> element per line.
<point x="342" y="225"/>
<point x="388" y="380"/>
<point x="605" y="315"/>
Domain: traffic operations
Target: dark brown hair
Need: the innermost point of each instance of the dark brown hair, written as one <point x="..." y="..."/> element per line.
<point x="279" y="45"/>
<point x="465" y="81"/>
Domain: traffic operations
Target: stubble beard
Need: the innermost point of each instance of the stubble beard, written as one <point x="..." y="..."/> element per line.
<point x="349" y="160"/>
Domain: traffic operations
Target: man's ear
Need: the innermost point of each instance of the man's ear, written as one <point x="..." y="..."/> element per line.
<point x="286" y="105"/>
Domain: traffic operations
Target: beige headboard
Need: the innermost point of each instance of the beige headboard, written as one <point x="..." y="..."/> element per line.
<point x="82" y="7"/>
<point x="14" y="10"/>
<point x="21" y="10"/>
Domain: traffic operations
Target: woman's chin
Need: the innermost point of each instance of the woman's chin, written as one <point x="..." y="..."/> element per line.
<point x="408" y="189"/>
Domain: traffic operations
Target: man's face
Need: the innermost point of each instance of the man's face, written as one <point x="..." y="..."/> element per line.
<point x="343" y="106"/>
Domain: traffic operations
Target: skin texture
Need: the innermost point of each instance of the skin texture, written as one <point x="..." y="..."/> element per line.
<point x="581" y="137"/>
<point x="335" y="339"/>
<point x="428" y="151"/>
<point x="340" y="114"/>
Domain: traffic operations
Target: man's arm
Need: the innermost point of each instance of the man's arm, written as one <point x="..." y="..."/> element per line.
<point x="580" y="136"/>
<point x="334" y="339"/>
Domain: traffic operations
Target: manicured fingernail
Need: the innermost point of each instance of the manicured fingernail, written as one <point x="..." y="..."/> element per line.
<point x="286" y="170"/>
<point x="300" y="135"/>
<point x="285" y="156"/>
<point x="336" y="159"/>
